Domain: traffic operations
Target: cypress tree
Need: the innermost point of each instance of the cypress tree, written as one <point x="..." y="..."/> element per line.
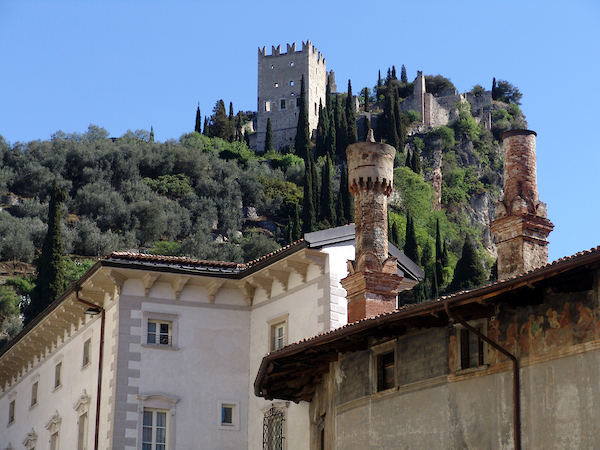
<point x="322" y="131"/>
<point x="348" y="199"/>
<point x="390" y="119"/>
<point x="415" y="164"/>
<point x="494" y="90"/>
<point x="308" y="206"/>
<point x="396" y="238"/>
<point x="469" y="272"/>
<point x="408" y="162"/>
<point x="238" y="127"/>
<point x="439" y="250"/>
<point x="403" y="76"/>
<point x="400" y="122"/>
<point x="296" y="229"/>
<point x="198" y="127"/>
<point x="151" y="140"/>
<point x="327" y="206"/>
<point x="351" y="117"/>
<point x="366" y="93"/>
<point x="394" y="73"/>
<point x="342" y="203"/>
<point x="330" y="141"/>
<point x="205" y="130"/>
<point x="302" y="144"/>
<point x="231" y="128"/>
<point x="445" y="256"/>
<point x="269" y="137"/>
<point x="411" y="248"/>
<point x="50" y="280"/>
<point x="315" y="187"/>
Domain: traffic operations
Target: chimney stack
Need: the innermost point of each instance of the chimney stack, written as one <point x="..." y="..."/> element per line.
<point x="521" y="226"/>
<point x="373" y="280"/>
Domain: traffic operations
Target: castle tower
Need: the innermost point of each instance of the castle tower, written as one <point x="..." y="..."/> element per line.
<point x="279" y="76"/>
<point x="521" y="226"/>
<point x="373" y="281"/>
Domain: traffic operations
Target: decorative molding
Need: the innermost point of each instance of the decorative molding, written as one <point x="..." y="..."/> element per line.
<point x="247" y="290"/>
<point x="178" y="283"/>
<point x="53" y="425"/>
<point x="264" y="283"/>
<point x="116" y="278"/>
<point x="147" y="281"/>
<point x="213" y="287"/>
<point x="282" y="276"/>
<point x="30" y="439"/>
<point x="83" y="403"/>
<point x="301" y="268"/>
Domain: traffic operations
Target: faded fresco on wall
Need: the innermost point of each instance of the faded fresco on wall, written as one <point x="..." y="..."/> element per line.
<point x="537" y="330"/>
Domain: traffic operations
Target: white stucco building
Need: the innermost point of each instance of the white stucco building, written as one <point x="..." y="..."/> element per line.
<point x="169" y="359"/>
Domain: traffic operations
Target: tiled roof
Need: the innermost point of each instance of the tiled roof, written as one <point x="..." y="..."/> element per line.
<point x="184" y="261"/>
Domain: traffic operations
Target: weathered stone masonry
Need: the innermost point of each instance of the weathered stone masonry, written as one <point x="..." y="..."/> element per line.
<point x="372" y="285"/>
<point x="521" y="226"/>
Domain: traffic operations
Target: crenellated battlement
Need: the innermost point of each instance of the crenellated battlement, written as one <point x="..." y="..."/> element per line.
<point x="307" y="47"/>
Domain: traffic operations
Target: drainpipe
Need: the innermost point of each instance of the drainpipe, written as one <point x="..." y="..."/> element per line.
<point x="77" y="288"/>
<point x="516" y="383"/>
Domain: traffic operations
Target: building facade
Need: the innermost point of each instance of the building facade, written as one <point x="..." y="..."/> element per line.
<point x="161" y="353"/>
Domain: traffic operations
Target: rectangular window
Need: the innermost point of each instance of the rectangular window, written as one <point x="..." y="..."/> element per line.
<point x="34" y="392"/>
<point x="57" y="373"/>
<point x="385" y="371"/>
<point x="297" y="102"/>
<point x="159" y="333"/>
<point x="278" y="338"/>
<point x="229" y="416"/>
<point x="282" y="104"/>
<point x="471" y="349"/>
<point x="11" y="412"/>
<point x="273" y="429"/>
<point x="82" y="432"/>
<point x="267" y="106"/>
<point x="86" y="352"/>
<point x="154" y="430"/>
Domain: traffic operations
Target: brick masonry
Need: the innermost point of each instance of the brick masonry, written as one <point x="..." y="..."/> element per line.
<point x="521" y="226"/>
<point x="372" y="285"/>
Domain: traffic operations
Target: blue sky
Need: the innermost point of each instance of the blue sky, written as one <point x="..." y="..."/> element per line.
<point x="132" y="64"/>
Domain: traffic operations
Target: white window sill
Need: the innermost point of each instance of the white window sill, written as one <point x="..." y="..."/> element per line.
<point x="33" y="406"/>
<point x="159" y="346"/>
<point x="57" y="387"/>
<point x="86" y="366"/>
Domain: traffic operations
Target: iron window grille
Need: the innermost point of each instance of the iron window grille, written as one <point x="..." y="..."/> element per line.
<point x="273" y="423"/>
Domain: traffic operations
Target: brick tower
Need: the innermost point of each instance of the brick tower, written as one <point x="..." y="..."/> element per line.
<point x="373" y="281"/>
<point x="521" y="226"/>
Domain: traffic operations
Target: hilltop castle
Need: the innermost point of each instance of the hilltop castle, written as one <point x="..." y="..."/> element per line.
<point x="279" y="77"/>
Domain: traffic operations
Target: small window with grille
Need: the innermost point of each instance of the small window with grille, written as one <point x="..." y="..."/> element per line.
<point x="159" y="333"/>
<point x="273" y="429"/>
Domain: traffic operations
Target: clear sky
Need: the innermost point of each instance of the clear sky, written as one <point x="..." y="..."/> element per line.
<point x="132" y="64"/>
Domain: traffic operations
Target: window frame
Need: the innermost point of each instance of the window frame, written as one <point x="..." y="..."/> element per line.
<point x="57" y="376"/>
<point x="34" y="394"/>
<point x="274" y="324"/>
<point x="282" y="104"/>
<point x="159" y="402"/>
<point x="87" y="353"/>
<point x="463" y="346"/>
<point x="380" y="353"/>
<point x="235" y="415"/>
<point x="165" y="318"/>
<point x="12" y="412"/>
<point x="154" y="426"/>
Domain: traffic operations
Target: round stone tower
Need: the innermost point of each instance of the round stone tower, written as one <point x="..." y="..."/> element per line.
<point x="373" y="281"/>
<point x="521" y="226"/>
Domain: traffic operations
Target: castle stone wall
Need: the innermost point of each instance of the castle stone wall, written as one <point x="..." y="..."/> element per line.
<point x="279" y="81"/>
